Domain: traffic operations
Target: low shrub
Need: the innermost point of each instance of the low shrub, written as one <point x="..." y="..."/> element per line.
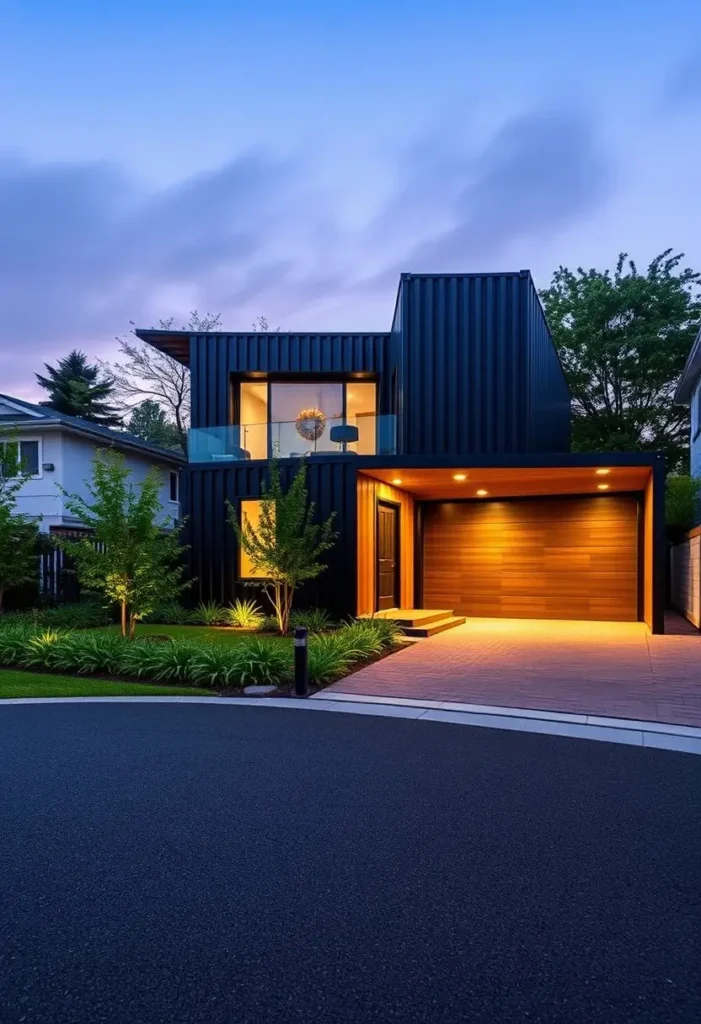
<point x="388" y="631"/>
<point x="261" y="662"/>
<point x="209" y="613"/>
<point x="316" y="620"/>
<point x="170" y="613"/>
<point x="245" y="615"/>
<point x="14" y="637"/>
<point x="328" y="658"/>
<point x="333" y="654"/>
<point x="84" y="615"/>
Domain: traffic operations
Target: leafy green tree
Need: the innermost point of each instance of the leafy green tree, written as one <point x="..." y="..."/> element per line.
<point x="682" y="495"/>
<point x="130" y="556"/>
<point x="623" y="339"/>
<point x="78" y="388"/>
<point x="18" y="532"/>
<point x="149" y="422"/>
<point x="286" y="545"/>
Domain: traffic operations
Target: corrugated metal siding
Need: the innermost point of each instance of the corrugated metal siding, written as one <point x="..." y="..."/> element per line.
<point x="213" y="556"/>
<point x="548" y="393"/>
<point x="214" y="357"/>
<point x="685" y="579"/>
<point x="464" y="365"/>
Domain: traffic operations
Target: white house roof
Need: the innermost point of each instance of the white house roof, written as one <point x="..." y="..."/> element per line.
<point x="15" y="412"/>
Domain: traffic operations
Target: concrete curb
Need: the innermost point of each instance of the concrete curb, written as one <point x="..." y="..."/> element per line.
<point x="684" y="739"/>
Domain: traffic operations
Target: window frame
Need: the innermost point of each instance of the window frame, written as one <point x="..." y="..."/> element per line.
<point x="173" y="474"/>
<point x="23" y="439"/>
<point x="696" y="411"/>
<point x="345" y="379"/>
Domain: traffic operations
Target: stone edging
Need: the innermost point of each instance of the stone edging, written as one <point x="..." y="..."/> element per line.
<point x="682" y="738"/>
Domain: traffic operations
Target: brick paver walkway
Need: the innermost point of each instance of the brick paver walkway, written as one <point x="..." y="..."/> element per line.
<point x="608" y="668"/>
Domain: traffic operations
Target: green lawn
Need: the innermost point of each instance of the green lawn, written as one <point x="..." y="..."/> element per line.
<point x="35" y="684"/>
<point x="221" y="635"/>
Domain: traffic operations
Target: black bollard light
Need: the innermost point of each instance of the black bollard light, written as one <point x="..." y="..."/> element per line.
<point x="301" y="662"/>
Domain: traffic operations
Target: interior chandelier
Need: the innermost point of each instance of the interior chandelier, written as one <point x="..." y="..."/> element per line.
<point x="310" y="424"/>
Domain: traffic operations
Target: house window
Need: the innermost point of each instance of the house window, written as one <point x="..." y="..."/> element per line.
<point x="174" y="482"/>
<point x="27" y="452"/>
<point x="294" y="418"/>
<point x="697" y="412"/>
<point x="250" y="511"/>
<point x="253" y="417"/>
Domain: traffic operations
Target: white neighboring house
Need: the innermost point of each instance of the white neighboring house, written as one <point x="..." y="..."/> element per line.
<point x="59" y="449"/>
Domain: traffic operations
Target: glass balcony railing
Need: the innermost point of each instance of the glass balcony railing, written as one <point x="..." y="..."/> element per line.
<point x="367" y="435"/>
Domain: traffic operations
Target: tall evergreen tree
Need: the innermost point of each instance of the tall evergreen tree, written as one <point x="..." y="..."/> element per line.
<point x="79" y="388"/>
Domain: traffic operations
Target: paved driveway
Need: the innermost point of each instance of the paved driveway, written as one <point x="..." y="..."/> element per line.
<point x="223" y="865"/>
<point x="607" y="668"/>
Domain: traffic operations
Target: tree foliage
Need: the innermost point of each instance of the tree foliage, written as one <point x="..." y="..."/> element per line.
<point x="682" y="494"/>
<point x="623" y="339"/>
<point x="147" y="373"/>
<point x="286" y="545"/>
<point x="18" y="532"/>
<point x="79" y="388"/>
<point x="149" y="422"/>
<point x="130" y="556"/>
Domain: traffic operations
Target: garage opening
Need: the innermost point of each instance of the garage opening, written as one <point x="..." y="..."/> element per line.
<point x="550" y="558"/>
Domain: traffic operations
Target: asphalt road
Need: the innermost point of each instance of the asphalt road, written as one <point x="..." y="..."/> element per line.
<point x="172" y="863"/>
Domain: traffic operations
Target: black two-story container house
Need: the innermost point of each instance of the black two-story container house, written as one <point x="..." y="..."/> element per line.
<point x="443" y="446"/>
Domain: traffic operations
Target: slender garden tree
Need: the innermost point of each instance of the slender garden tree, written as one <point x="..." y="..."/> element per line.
<point x="78" y="388"/>
<point x="623" y="339"/>
<point x="149" y="422"/>
<point x="18" y="532"/>
<point x="286" y="545"/>
<point x="131" y="556"/>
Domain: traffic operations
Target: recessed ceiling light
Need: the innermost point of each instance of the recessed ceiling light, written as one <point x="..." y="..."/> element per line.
<point x="396" y="481"/>
<point x="603" y="472"/>
<point x="482" y="493"/>
<point x="459" y="476"/>
<point x="603" y="487"/>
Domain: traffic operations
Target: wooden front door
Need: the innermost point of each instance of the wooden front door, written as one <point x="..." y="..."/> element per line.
<point x="387" y="556"/>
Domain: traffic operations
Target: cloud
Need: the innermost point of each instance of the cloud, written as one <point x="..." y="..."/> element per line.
<point x="85" y="248"/>
<point x="536" y="176"/>
<point x="683" y="85"/>
<point x="482" y="207"/>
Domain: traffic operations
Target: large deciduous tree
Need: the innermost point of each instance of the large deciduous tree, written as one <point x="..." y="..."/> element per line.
<point x="79" y="388"/>
<point x="147" y="373"/>
<point x="18" y="532"/>
<point x="623" y="339"/>
<point x="286" y="545"/>
<point x="131" y="556"/>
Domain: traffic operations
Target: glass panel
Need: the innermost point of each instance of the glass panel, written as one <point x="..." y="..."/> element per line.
<point x="361" y="408"/>
<point x="253" y="408"/>
<point x="223" y="444"/>
<point x="300" y="415"/>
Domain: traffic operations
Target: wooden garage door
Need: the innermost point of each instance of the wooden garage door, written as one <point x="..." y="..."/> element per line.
<point x="565" y="558"/>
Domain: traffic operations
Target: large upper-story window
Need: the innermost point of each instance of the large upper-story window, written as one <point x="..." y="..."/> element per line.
<point x="290" y="418"/>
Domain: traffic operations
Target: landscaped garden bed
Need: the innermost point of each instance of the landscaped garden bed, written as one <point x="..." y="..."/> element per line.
<point x="222" y="660"/>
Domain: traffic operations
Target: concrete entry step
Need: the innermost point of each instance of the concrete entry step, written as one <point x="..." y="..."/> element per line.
<point x="414" y="616"/>
<point x="436" y="626"/>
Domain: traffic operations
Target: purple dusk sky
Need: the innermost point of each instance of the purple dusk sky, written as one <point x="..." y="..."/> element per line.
<point x="291" y="159"/>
